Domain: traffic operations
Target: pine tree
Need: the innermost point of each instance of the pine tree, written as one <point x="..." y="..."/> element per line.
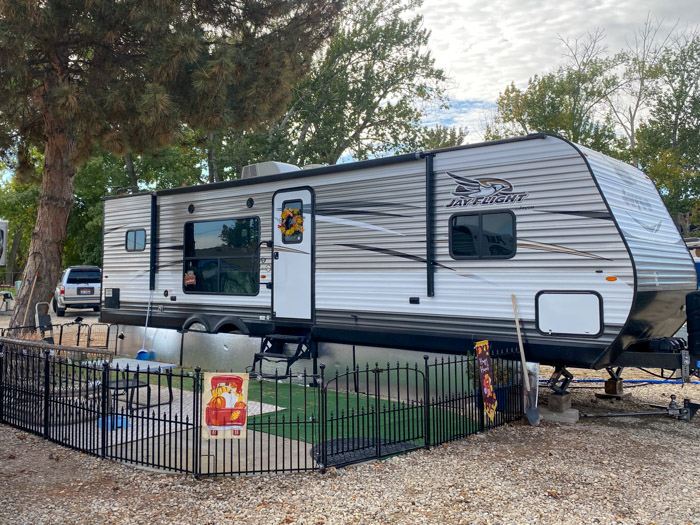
<point x="126" y="76"/>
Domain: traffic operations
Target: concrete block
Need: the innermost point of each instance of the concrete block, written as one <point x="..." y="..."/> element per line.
<point x="559" y="402"/>
<point x="613" y="387"/>
<point x="570" y="415"/>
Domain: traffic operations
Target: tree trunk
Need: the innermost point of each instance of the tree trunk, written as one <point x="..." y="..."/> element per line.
<point x="211" y="157"/>
<point x="12" y="256"/>
<point x="133" y="179"/>
<point x="683" y="222"/>
<point x="44" y="261"/>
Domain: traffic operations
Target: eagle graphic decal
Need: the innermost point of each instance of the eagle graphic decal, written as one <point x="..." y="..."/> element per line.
<point x="482" y="191"/>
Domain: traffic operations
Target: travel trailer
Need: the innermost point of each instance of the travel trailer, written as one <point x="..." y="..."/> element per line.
<point x="419" y="251"/>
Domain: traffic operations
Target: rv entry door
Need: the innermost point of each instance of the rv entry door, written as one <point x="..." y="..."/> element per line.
<point x="293" y="254"/>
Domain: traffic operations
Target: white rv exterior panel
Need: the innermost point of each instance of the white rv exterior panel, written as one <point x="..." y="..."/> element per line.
<point x="212" y="205"/>
<point x="659" y="252"/>
<point x="554" y="249"/>
<point x="128" y="271"/>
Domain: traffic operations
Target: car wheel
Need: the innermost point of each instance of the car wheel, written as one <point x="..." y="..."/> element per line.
<point x="60" y="312"/>
<point x="53" y="304"/>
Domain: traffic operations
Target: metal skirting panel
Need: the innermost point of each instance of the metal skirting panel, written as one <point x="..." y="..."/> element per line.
<point x="208" y="351"/>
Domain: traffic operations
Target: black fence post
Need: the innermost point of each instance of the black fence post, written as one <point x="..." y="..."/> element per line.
<point x="377" y="410"/>
<point x="426" y="401"/>
<point x="324" y="420"/>
<point x="47" y="353"/>
<point x="196" y="429"/>
<point x="104" y="409"/>
<point x="2" y="383"/>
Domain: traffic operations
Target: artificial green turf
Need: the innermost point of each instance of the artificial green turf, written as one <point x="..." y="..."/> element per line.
<point x="394" y="420"/>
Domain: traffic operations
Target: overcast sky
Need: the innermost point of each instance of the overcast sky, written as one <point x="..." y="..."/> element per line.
<point x="483" y="46"/>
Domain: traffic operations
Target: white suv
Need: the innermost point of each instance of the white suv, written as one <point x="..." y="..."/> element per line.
<point x="79" y="287"/>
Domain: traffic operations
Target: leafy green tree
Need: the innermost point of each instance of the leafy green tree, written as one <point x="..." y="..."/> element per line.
<point x="126" y="75"/>
<point x="438" y="136"/>
<point x="669" y="142"/>
<point x="102" y="172"/>
<point x="638" y="82"/>
<point x="567" y="102"/>
<point x="18" y="202"/>
<point x="367" y="91"/>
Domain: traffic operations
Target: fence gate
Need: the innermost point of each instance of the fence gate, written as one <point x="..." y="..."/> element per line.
<point x="372" y="413"/>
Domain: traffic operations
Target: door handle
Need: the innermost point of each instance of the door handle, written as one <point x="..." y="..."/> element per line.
<point x="276" y="255"/>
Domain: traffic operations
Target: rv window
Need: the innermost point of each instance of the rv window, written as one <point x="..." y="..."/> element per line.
<point x="485" y="235"/>
<point x="292" y="222"/>
<point x="135" y="240"/>
<point x="222" y="257"/>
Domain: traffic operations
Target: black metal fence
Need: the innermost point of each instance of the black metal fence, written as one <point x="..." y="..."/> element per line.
<point x="152" y="417"/>
<point x="95" y="335"/>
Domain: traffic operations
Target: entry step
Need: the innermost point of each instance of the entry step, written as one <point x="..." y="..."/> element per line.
<point x="271" y="355"/>
<point x="286" y="338"/>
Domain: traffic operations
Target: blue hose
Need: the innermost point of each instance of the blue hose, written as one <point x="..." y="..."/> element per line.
<point x="649" y="381"/>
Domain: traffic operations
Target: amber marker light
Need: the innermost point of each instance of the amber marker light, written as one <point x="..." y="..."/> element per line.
<point x="611" y="278"/>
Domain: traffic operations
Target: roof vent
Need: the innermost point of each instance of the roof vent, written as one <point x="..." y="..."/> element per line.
<point x="314" y="166"/>
<point x="261" y="169"/>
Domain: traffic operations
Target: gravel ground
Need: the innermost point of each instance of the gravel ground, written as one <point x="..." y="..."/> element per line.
<point x="628" y="471"/>
<point x="89" y="317"/>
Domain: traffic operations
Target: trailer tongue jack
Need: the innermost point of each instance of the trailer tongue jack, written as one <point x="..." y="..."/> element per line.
<point x="684" y="412"/>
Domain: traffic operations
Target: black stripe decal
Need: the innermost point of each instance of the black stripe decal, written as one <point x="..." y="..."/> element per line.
<point x="337" y="211"/>
<point x="360" y="204"/>
<point x="602" y="215"/>
<point x="393" y="253"/>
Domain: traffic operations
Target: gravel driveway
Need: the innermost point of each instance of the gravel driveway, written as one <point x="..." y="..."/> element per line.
<point x="630" y="471"/>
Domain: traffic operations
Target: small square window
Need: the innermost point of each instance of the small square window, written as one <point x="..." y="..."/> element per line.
<point x="483" y="235"/>
<point x="135" y="240"/>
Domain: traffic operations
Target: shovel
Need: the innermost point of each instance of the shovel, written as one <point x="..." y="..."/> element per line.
<point x="533" y="415"/>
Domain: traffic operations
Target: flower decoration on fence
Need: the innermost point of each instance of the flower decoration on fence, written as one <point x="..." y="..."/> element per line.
<point x="291" y="222"/>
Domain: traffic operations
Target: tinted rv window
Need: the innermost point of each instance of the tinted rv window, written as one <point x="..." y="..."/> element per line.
<point x="482" y="235"/>
<point x="135" y="240"/>
<point x="222" y="257"/>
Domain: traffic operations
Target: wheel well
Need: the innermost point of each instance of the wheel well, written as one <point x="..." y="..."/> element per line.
<point x="231" y="324"/>
<point x="227" y="328"/>
<point x="194" y="319"/>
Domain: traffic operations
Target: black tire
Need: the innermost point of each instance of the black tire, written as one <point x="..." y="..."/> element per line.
<point x="692" y="305"/>
<point x="54" y="306"/>
<point x="60" y="312"/>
